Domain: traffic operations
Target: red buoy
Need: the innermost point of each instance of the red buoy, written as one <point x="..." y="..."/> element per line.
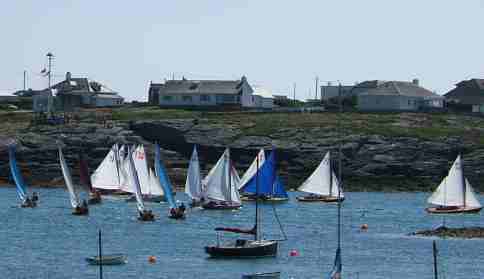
<point x="294" y="253"/>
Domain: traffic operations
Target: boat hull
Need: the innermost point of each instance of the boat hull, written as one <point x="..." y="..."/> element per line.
<point x="319" y="199"/>
<point x="244" y="249"/>
<point x="265" y="199"/>
<point x="79" y="211"/>
<point x="456" y="210"/>
<point x="108" y="260"/>
<point x="221" y="206"/>
<point x="266" y="275"/>
<point x="147" y="198"/>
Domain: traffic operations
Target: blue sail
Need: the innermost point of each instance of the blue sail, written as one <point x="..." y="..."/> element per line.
<point x="164" y="179"/>
<point x="266" y="177"/>
<point x="17" y="176"/>
<point x="278" y="189"/>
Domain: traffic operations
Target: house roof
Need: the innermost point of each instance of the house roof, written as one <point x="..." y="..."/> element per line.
<point x="202" y="86"/>
<point x="467" y="92"/>
<point x="400" y="88"/>
<point x="73" y="85"/>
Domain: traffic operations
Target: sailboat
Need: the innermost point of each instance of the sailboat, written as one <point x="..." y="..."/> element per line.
<point x="322" y="185"/>
<point x="78" y="208"/>
<point x="250" y="172"/>
<point x="176" y="212"/>
<point x="19" y="181"/>
<point x="193" y="185"/>
<point x="454" y="194"/>
<point x="151" y="189"/>
<point x="94" y="195"/>
<point x="221" y="185"/>
<point x="257" y="247"/>
<point x="265" y="191"/>
<point x="108" y="176"/>
<point x="144" y="214"/>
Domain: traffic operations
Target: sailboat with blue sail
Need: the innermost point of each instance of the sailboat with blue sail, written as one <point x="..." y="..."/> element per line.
<point x="19" y="181"/>
<point x="176" y="212"/>
<point x="250" y="248"/>
<point x="266" y="191"/>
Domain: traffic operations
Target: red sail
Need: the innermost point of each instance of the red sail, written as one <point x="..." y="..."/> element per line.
<point x="237" y="230"/>
<point x="84" y="173"/>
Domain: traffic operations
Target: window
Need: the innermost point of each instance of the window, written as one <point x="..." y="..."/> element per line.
<point x="204" y="98"/>
<point x="167" y="98"/>
<point x="187" y="98"/>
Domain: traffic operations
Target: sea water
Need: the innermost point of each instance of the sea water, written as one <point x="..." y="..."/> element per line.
<point x="49" y="242"/>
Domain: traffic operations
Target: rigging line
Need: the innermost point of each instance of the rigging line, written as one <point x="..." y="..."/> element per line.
<point x="279" y="222"/>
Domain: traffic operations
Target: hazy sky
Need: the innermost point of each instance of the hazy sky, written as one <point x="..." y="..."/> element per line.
<point x="125" y="44"/>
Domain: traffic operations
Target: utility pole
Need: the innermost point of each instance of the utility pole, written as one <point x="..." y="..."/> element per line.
<point x="316" y="89"/>
<point x="294" y="94"/>
<point x="50" y="57"/>
<point x="25" y="77"/>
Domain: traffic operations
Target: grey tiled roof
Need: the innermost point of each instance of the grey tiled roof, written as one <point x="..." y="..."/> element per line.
<point x="202" y="86"/>
<point x="401" y="88"/>
<point x="467" y="92"/>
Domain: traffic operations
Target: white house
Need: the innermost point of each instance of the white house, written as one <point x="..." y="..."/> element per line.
<point x="203" y="93"/>
<point x="397" y="96"/>
<point x="263" y="97"/>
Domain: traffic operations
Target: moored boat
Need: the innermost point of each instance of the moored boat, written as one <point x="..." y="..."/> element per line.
<point x="265" y="275"/>
<point x="454" y="194"/>
<point x="113" y="259"/>
<point x="249" y="248"/>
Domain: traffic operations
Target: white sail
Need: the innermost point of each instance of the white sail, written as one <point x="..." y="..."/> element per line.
<point x="451" y="190"/>
<point x="141" y="165"/>
<point x="252" y="169"/>
<point x="107" y="175"/>
<point x="471" y="199"/>
<point x="73" y="195"/>
<point x="193" y="185"/>
<point x="221" y="182"/>
<point x="235" y="181"/>
<point x="323" y="180"/>
<point x="135" y="183"/>
<point x="155" y="186"/>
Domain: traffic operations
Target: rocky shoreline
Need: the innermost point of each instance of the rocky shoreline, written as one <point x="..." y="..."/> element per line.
<point x="371" y="162"/>
<point x="471" y="232"/>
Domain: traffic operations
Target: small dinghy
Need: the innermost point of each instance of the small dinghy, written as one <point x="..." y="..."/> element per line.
<point x="100" y="259"/>
<point x="322" y="185"/>
<point x="265" y="275"/>
<point x="19" y="181"/>
<point x="114" y="259"/>
<point x="221" y="185"/>
<point x="79" y="208"/>
<point x="454" y="194"/>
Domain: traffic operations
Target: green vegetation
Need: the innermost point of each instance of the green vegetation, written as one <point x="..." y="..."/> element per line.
<point x="429" y="126"/>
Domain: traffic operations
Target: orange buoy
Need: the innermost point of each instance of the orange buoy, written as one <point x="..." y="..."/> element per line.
<point x="294" y="253"/>
<point x="152" y="259"/>
<point x="364" y="227"/>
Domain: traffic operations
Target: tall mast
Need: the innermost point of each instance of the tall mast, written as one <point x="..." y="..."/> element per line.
<point x="230" y="175"/>
<point x="100" y="257"/>
<point x="256" y="237"/>
<point x="463" y="181"/>
<point x="436" y="273"/>
<point x="339" y="166"/>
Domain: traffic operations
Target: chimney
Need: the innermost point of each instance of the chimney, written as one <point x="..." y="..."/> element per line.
<point x="68" y="77"/>
<point x="415" y="81"/>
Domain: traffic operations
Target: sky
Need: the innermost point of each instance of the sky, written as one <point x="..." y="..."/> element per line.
<point x="275" y="44"/>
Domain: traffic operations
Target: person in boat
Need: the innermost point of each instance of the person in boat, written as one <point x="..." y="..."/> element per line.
<point x="146" y="215"/>
<point x="182" y="207"/>
<point x="35" y="197"/>
<point x="27" y="203"/>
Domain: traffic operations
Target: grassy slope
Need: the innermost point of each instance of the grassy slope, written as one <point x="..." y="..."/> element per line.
<point x="420" y="125"/>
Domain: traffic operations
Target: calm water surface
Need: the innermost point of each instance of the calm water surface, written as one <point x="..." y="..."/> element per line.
<point x="48" y="242"/>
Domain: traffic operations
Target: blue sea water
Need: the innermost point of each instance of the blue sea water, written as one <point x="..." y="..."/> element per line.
<point x="49" y="242"/>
